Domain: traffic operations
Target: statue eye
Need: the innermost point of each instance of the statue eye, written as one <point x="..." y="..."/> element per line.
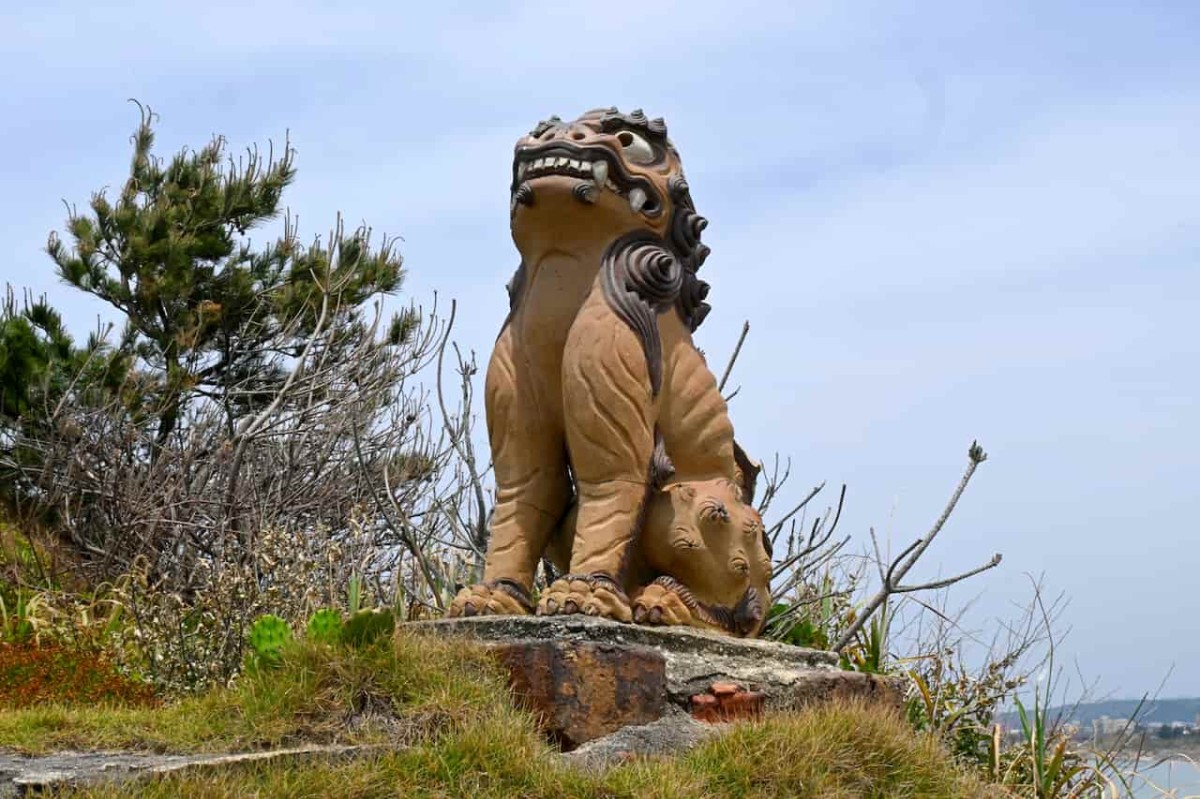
<point x="635" y="148"/>
<point x="713" y="510"/>
<point x="683" y="538"/>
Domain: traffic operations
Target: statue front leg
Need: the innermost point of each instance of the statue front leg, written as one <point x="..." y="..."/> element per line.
<point x="532" y="485"/>
<point x="609" y="420"/>
<point x="665" y="602"/>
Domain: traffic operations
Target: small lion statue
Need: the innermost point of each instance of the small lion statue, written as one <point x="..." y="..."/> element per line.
<point x="711" y="556"/>
<point x="594" y="385"/>
<point x="702" y="559"/>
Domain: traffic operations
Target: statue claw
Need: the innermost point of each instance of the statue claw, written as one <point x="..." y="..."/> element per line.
<point x="591" y="595"/>
<point x="657" y="604"/>
<point x="491" y="598"/>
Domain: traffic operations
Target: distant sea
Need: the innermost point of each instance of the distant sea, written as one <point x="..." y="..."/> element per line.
<point x="1180" y="777"/>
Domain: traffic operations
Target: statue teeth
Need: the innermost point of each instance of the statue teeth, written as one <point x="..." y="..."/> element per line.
<point x="521" y="170"/>
<point x="637" y="198"/>
<point x="576" y="164"/>
<point x="600" y="174"/>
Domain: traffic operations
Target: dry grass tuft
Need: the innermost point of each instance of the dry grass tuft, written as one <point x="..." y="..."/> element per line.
<point x="843" y="749"/>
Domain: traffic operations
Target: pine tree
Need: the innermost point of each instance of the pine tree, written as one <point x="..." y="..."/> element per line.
<point x="40" y="361"/>
<point x="206" y="314"/>
<point x="42" y="367"/>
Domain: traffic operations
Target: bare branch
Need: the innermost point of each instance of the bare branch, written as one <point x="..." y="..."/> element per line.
<point x="733" y="358"/>
<point x="949" y="581"/>
<point x="904" y="562"/>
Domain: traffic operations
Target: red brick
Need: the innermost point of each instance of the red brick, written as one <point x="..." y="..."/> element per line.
<point x="743" y="705"/>
<point x="705" y="707"/>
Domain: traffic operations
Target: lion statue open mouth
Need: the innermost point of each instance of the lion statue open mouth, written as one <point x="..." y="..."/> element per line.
<point x="613" y="449"/>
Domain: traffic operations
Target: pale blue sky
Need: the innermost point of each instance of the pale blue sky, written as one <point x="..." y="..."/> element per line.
<point x="945" y="221"/>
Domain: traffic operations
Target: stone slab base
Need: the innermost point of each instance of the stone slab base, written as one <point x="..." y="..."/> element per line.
<point x="588" y="678"/>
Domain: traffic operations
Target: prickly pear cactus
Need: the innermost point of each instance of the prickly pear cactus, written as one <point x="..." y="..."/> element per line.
<point x="324" y="627"/>
<point x="268" y="635"/>
<point x="368" y="626"/>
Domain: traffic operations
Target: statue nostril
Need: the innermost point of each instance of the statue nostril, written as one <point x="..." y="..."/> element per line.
<point x="578" y="135"/>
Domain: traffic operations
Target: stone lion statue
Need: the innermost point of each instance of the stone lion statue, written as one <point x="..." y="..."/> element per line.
<point x="612" y="447"/>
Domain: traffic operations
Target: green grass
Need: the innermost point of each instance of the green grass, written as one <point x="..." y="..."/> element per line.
<point x="445" y="705"/>
<point x="838" y="752"/>
<point x="418" y="688"/>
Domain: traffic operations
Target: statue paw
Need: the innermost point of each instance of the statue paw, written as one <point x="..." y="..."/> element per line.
<point x="589" y="594"/>
<point x="659" y="604"/>
<point x="492" y="598"/>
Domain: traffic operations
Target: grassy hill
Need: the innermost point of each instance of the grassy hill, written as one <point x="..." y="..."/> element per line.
<point x="445" y="706"/>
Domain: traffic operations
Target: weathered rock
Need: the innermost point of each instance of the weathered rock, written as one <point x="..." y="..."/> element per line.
<point x="583" y="691"/>
<point x="674" y="733"/>
<point x="22" y="775"/>
<point x="786" y="676"/>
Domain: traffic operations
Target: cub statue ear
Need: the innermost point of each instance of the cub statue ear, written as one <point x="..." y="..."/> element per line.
<point x="746" y="474"/>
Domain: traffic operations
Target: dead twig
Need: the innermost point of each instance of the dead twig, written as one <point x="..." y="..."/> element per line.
<point x="903" y="563"/>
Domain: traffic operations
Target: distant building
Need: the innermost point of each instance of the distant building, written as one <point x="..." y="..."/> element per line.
<point x="1105" y="726"/>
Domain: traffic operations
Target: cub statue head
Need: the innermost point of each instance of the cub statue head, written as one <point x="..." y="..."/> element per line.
<point x="713" y="557"/>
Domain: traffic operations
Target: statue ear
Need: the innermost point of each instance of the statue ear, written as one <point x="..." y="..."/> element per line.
<point x="747" y="473"/>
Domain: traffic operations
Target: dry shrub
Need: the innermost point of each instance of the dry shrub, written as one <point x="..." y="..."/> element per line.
<point x="265" y="499"/>
<point x="183" y="641"/>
